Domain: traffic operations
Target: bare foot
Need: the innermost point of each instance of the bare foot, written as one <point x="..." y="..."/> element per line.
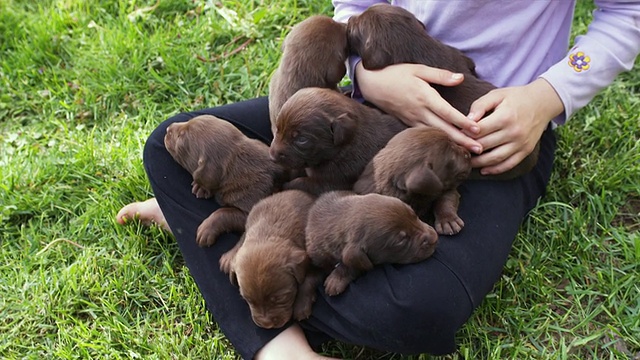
<point x="289" y="344"/>
<point x="147" y="212"/>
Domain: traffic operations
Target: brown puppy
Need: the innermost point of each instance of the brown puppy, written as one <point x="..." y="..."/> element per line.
<point x="269" y="263"/>
<point x="331" y="136"/>
<point x="347" y="234"/>
<point x="226" y="164"/>
<point x="421" y="166"/>
<point x="384" y="35"/>
<point x="313" y="54"/>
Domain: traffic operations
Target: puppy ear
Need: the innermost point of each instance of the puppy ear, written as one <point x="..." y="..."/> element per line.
<point x="233" y="278"/>
<point x="421" y="180"/>
<point x="354" y="256"/>
<point x="335" y="73"/>
<point x="343" y="128"/>
<point x="366" y="182"/>
<point x="298" y="262"/>
<point x="206" y="173"/>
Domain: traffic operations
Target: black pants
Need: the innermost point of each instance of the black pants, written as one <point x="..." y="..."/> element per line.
<point x="406" y="309"/>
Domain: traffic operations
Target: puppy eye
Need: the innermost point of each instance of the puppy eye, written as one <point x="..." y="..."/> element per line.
<point x="403" y="238"/>
<point x="301" y="140"/>
<point x="278" y="299"/>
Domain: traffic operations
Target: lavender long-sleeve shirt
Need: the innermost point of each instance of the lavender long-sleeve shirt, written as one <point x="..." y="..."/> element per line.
<point x="513" y="42"/>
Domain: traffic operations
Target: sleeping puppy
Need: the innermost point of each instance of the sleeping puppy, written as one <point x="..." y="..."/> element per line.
<point x="226" y="164"/>
<point x="384" y="35"/>
<point x="313" y="54"/>
<point x="331" y="136"/>
<point x="421" y="166"/>
<point x="347" y="234"/>
<point x="269" y="263"/>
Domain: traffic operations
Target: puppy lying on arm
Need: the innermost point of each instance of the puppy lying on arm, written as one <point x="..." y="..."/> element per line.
<point x="269" y="263"/>
<point x="421" y="166"/>
<point x="347" y="234"/>
<point x="226" y="164"/>
<point x="384" y="35"/>
<point x="329" y="135"/>
<point x="313" y="54"/>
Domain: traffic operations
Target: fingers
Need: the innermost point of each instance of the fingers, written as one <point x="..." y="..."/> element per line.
<point x="439" y="106"/>
<point x="444" y="110"/>
<point x="431" y="118"/>
<point x="498" y="160"/>
<point x="438" y="76"/>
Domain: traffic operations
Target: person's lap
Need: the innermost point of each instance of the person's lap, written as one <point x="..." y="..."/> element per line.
<point x="407" y="309"/>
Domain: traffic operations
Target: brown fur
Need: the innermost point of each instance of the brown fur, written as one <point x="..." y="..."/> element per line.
<point x="347" y="234"/>
<point x="421" y="166"/>
<point x="384" y="35"/>
<point x="226" y="164"/>
<point x="331" y="136"/>
<point x="269" y="263"/>
<point x="313" y="54"/>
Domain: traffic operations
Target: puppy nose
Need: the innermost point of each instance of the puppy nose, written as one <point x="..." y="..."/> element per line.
<point x="430" y="236"/>
<point x="275" y="155"/>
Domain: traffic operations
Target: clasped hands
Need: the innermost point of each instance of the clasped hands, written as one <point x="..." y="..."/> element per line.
<point x="517" y="116"/>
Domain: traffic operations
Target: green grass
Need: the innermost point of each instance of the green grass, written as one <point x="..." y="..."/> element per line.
<point x="82" y="83"/>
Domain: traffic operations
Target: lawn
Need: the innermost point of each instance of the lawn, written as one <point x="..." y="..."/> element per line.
<point x="82" y="84"/>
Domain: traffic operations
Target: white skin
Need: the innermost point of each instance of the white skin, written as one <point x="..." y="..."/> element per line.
<point x="520" y="115"/>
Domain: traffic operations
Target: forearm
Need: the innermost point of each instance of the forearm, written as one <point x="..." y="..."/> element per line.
<point x="609" y="47"/>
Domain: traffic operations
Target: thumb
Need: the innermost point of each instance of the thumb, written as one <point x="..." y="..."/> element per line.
<point x="484" y="104"/>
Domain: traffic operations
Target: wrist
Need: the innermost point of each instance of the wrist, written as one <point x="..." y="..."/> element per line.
<point x="550" y="104"/>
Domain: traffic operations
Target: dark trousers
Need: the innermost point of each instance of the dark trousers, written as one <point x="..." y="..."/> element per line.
<point x="406" y="309"/>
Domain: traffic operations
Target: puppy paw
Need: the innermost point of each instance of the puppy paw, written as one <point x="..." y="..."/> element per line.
<point x="335" y="285"/>
<point x="448" y="225"/>
<point x="206" y="234"/>
<point x="199" y="191"/>
<point x="302" y="309"/>
<point x="225" y="262"/>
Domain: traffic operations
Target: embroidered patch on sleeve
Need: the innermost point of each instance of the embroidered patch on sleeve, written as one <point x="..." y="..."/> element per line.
<point x="579" y="61"/>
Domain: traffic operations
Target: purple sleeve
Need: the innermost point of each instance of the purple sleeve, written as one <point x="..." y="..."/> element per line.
<point x="344" y="9"/>
<point x="609" y="47"/>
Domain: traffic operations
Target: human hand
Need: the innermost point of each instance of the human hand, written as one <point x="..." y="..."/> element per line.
<point x="520" y="116"/>
<point x="403" y="90"/>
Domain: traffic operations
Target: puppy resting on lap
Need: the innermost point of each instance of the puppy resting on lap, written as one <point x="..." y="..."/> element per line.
<point x="226" y="164"/>
<point x="313" y="54"/>
<point x="384" y="35"/>
<point x="331" y="136"/>
<point x="421" y="166"/>
<point x="347" y="234"/>
<point x="269" y="263"/>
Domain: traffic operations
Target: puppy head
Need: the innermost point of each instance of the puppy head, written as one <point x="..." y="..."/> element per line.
<point x="423" y="161"/>
<point x="268" y="276"/>
<point x="329" y="47"/>
<point x="387" y="231"/>
<point x="312" y="127"/>
<point x="201" y="140"/>
<point x="434" y="162"/>
<point x="371" y="32"/>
